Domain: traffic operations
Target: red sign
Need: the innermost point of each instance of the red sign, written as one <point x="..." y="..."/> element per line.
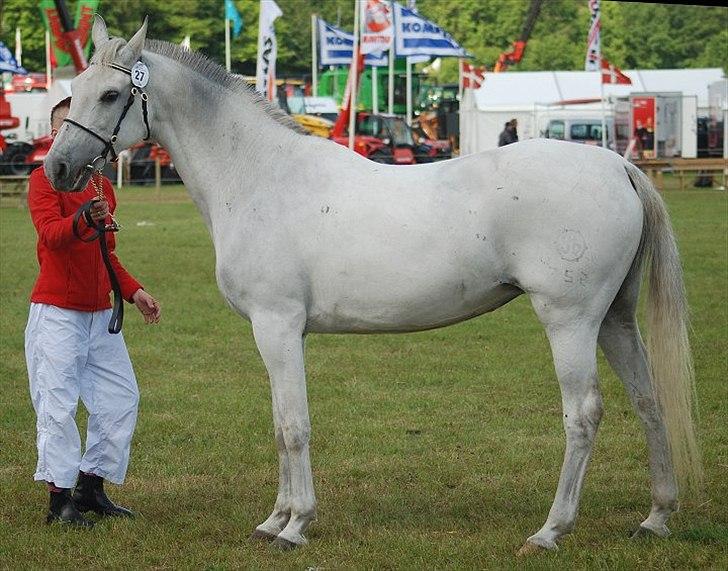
<point x="643" y="126"/>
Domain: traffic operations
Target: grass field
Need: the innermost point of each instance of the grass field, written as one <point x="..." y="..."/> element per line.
<point x="431" y="450"/>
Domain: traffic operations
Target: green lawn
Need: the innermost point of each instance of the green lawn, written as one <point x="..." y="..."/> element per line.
<point x="431" y="450"/>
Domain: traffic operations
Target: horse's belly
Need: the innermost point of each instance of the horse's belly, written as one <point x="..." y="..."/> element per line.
<point x="407" y="308"/>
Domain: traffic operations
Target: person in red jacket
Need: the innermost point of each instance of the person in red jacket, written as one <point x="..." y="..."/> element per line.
<point x="70" y="352"/>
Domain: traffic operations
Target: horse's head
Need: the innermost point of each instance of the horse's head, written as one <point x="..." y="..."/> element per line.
<point x="99" y="98"/>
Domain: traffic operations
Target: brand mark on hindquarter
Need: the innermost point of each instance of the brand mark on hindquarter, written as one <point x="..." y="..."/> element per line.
<point x="571" y="245"/>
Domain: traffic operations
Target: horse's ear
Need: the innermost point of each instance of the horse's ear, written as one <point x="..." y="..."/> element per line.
<point x="135" y="46"/>
<point x="99" y="34"/>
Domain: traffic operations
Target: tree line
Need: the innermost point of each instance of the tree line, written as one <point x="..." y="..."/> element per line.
<point x="634" y="35"/>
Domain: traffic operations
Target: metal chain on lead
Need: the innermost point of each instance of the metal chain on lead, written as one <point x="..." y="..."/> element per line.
<point x="95" y="178"/>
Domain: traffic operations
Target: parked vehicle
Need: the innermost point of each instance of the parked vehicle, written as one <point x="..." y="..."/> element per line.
<point x="587" y="131"/>
<point x="387" y="139"/>
<point x="144" y="156"/>
<point x="315" y="114"/>
<point x="315" y="125"/>
<point x="21" y="158"/>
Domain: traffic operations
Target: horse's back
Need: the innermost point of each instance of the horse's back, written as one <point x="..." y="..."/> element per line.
<point x="383" y="248"/>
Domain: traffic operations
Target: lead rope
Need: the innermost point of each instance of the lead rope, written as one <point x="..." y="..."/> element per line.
<point x="101" y="228"/>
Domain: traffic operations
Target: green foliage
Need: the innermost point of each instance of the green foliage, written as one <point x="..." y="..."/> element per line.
<point x="634" y="35"/>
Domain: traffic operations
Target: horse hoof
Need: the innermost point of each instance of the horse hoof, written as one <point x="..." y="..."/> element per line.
<point x="643" y="531"/>
<point x="530" y="549"/>
<point x="283" y="544"/>
<point x="259" y="535"/>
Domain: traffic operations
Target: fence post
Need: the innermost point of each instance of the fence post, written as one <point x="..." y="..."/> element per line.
<point x="158" y="176"/>
<point x="120" y="170"/>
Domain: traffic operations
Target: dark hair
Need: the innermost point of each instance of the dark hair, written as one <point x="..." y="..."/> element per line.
<point x="60" y="105"/>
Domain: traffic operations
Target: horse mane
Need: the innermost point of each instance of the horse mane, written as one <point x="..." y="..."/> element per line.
<point x="208" y="69"/>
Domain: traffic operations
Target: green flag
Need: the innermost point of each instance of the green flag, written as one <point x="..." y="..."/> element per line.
<point x="85" y="9"/>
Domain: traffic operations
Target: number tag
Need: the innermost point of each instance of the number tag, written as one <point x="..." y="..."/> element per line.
<point x="139" y="74"/>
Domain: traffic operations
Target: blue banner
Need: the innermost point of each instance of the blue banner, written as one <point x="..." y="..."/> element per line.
<point x="417" y="36"/>
<point x="8" y="62"/>
<point x="336" y="46"/>
<point x="232" y="14"/>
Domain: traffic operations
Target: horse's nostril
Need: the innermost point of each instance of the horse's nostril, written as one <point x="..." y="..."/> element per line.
<point x="61" y="171"/>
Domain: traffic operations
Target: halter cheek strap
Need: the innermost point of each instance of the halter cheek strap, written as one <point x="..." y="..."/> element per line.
<point x="109" y="144"/>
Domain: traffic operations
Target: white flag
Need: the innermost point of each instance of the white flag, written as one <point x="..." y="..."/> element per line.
<point x="265" y="74"/>
<point x="593" y="48"/>
<point x="18" y="47"/>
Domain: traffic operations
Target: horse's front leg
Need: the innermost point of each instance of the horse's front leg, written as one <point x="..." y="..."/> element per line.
<point x="280" y="342"/>
<point x="278" y="519"/>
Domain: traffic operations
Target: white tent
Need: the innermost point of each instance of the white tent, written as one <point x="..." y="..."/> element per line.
<point x="533" y="97"/>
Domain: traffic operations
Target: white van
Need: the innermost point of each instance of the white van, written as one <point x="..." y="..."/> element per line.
<point x="587" y="131"/>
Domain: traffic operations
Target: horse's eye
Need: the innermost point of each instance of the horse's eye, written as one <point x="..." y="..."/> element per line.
<point x="110" y="96"/>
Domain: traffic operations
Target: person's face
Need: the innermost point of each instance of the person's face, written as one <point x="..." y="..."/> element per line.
<point x="58" y="118"/>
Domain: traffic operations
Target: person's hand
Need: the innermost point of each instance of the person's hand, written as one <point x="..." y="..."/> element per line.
<point x="147" y="305"/>
<point x="99" y="210"/>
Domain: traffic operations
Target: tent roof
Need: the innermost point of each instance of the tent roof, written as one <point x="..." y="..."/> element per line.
<point x="526" y="88"/>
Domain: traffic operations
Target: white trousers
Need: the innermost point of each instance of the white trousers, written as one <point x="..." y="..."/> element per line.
<point x="70" y="354"/>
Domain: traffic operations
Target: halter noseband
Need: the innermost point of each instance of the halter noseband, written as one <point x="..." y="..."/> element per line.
<point x="109" y="145"/>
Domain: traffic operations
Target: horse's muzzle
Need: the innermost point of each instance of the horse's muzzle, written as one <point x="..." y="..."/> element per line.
<point x="63" y="178"/>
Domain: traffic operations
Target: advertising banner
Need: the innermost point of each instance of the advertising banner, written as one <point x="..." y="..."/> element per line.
<point x="643" y="126"/>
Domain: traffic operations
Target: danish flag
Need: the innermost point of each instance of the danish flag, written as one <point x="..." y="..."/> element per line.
<point x="473" y="76"/>
<point x="612" y="74"/>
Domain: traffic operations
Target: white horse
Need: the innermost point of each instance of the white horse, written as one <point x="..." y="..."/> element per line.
<point x="312" y="238"/>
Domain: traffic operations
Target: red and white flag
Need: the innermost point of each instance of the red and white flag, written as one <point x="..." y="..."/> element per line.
<point x="473" y="76"/>
<point x="593" y="46"/>
<point x="376" y="34"/>
<point x="612" y="74"/>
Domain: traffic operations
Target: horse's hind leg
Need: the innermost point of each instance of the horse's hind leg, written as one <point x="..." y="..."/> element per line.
<point x="619" y="338"/>
<point x="573" y="339"/>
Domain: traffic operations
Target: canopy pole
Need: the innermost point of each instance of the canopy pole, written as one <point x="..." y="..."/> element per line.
<point x="314" y="55"/>
<point x="604" y="112"/>
<point x="354" y="76"/>
<point x="375" y="90"/>
<point x="227" y="45"/>
<point x="392" y="56"/>
<point x="409" y="91"/>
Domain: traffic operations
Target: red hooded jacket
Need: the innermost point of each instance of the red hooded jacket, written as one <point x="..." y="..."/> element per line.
<point x="72" y="272"/>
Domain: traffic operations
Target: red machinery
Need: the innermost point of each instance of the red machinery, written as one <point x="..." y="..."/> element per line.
<point x="7" y="121"/>
<point x="374" y="135"/>
<point x="19" y="158"/>
<point x="519" y="46"/>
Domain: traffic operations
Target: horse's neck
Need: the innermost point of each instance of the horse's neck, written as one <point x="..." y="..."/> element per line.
<point x="222" y="142"/>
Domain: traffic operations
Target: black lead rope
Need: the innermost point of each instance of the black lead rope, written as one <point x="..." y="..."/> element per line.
<point x="117" y="314"/>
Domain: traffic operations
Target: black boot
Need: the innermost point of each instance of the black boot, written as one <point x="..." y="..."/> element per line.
<point x="62" y="510"/>
<point x="90" y="496"/>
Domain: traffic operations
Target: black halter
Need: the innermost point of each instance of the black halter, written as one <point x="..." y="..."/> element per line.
<point x="109" y="144"/>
